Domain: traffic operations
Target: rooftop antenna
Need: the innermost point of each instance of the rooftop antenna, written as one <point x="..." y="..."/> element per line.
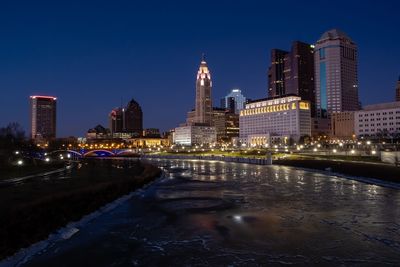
<point x="203" y="57"/>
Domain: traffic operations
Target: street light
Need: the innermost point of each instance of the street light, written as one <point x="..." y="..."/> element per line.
<point x="20" y="162"/>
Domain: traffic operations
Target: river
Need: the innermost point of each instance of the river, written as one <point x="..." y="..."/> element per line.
<point x="209" y="213"/>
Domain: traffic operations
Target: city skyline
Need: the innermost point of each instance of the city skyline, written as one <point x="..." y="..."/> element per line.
<point x="90" y="74"/>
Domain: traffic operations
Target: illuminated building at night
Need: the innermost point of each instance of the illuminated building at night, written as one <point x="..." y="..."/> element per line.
<point x="378" y="120"/>
<point x="203" y="108"/>
<point x="292" y="73"/>
<point x="128" y="121"/>
<point x="336" y="81"/>
<point x="190" y="135"/>
<point x="43" y="117"/>
<point x="234" y="101"/>
<point x="275" y="120"/>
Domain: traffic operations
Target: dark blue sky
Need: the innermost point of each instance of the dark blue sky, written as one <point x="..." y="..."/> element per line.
<point x="91" y="55"/>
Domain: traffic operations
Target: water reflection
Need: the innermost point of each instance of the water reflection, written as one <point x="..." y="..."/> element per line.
<point x="214" y="213"/>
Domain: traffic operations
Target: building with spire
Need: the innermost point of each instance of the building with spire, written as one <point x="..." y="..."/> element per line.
<point x="336" y="79"/>
<point x="203" y="108"/>
<point x="398" y="90"/>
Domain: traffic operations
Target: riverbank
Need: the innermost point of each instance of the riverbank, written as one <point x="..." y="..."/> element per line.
<point x="31" y="211"/>
<point x="384" y="172"/>
<point x="381" y="171"/>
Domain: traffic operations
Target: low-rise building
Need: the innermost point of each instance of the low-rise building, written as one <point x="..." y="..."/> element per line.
<point x="378" y="120"/>
<point x="342" y="125"/>
<point x="276" y="120"/>
<point x="190" y="135"/>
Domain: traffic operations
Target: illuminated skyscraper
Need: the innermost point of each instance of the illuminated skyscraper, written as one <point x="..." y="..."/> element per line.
<point x="203" y="109"/>
<point x="293" y="73"/>
<point x="398" y="90"/>
<point x="336" y="82"/>
<point x="238" y="100"/>
<point x="43" y="117"/>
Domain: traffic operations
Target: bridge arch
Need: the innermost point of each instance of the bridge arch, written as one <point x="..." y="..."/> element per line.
<point x="65" y="151"/>
<point x="99" y="153"/>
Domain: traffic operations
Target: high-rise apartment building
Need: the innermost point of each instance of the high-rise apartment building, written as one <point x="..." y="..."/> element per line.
<point x="43" y="117"/>
<point x="292" y="73"/>
<point x="336" y="81"/>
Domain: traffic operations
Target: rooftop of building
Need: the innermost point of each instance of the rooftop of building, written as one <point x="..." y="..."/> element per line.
<point x="380" y="106"/>
<point x="271" y="98"/>
<point x="334" y="34"/>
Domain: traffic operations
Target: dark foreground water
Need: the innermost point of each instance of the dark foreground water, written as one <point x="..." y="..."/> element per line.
<point x="227" y="214"/>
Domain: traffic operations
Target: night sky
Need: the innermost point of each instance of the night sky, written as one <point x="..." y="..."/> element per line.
<point x="94" y="55"/>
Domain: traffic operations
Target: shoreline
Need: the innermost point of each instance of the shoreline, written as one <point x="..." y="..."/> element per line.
<point x="36" y="215"/>
<point x="360" y="171"/>
<point x="23" y="255"/>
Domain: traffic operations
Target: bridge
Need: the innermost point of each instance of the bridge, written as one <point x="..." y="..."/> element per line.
<point x="82" y="153"/>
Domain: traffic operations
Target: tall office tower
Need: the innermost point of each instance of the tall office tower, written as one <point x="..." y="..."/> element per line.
<point x="238" y="101"/>
<point x="398" y="90"/>
<point x="116" y="119"/>
<point x="43" y="117"/>
<point x="133" y="118"/>
<point x="203" y="109"/>
<point x="276" y="74"/>
<point x="336" y="82"/>
<point x="292" y="73"/>
<point x="299" y="72"/>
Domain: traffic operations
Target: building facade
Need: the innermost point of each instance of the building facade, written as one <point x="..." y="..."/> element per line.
<point x="378" y="120"/>
<point x="342" y="125"/>
<point x="127" y="121"/>
<point x="203" y="107"/>
<point x="336" y="80"/>
<point x="265" y="121"/>
<point x="43" y="117"/>
<point x="276" y="73"/>
<point x="190" y="135"/>
<point x="293" y="73"/>
<point x="398" y="90"/>
<point x="116" y="119"/>
<point x="133" y="117"/>
<point x="234" y="101"/>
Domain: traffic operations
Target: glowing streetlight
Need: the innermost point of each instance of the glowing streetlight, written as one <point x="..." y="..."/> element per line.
<point x="20" y="162"/>
<point x="334" y="151"/>
<point x="352" y="151"/>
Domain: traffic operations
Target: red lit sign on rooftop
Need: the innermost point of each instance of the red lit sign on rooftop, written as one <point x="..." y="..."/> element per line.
<point x="43" y="96"/>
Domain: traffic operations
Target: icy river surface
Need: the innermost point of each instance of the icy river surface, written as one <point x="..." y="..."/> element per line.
<point x="209" y="213"/>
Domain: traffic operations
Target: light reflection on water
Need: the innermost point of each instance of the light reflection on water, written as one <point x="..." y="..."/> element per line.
<point x="215" y="213"/>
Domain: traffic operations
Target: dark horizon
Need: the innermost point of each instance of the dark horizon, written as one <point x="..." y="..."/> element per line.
<point x="92" y="58"/>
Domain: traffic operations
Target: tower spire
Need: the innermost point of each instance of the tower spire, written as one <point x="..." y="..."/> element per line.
<point x="203" y="57"/>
